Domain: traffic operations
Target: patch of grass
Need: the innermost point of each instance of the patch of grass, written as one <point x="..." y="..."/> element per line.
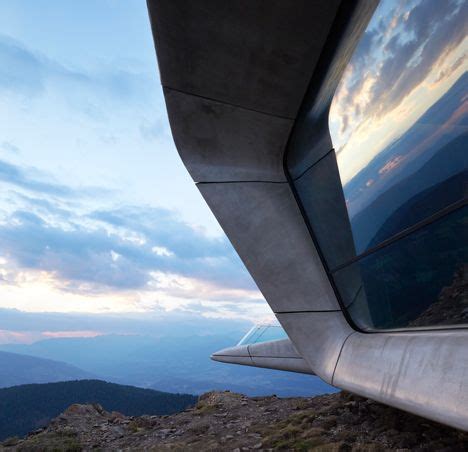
<point x="133" y="426"/>
<point x="52" y="442"/>
<point x="203" y="409"/>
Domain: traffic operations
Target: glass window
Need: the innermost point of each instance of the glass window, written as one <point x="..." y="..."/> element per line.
<point x="399" y="119"/>
<point x="399" y="126"/>
<point x="418" y="281"/>
<point x="263" y="333"/>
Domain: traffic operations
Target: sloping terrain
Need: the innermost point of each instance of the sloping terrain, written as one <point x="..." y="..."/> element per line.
<point x="18" y="369"/>
<point x="233" y="422"/>
<point x="28" y="407"/>
<point x="440" y="182"/>
<point x="170" y="364"/>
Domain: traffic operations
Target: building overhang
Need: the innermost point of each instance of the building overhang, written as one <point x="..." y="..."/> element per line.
<point x="235" y="77"/>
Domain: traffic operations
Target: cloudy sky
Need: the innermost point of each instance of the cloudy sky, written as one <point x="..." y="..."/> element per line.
<point x="412" y="52"/>
<point x="98" y="216"/>
<point x="97" y="213"/>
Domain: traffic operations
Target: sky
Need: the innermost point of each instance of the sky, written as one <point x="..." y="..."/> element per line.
<point x="97" y="212"/>
<point x="98" y="216"/>
<point x="412" y="52"/>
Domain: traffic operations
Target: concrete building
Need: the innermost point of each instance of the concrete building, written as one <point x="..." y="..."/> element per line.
<point x="361" y="252"/>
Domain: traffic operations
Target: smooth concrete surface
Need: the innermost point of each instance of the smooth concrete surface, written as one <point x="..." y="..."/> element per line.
<point x="319" y="338"/>
<point x="219" y="142"/>
<point x="287" y="364"/>
<point x="241" y="351"/>
<point x="425" y="373"/>
<point x="251" y="53"/>
<point x="278" y="354"/>
<point x="266" y="228"/>
<point x="262" y="56"/>
<point x="281" y="348"/>
<point x="232" y="359"/>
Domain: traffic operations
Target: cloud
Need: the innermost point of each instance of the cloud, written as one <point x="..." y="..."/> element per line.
<point x="393" y="76"/>
<point x="10" y="147"/>
<point x="415" y="41"/>
<point x="448" y="71"/>
<point x="21" y="70"/>
<point x="115" y="249"/>
<point x="36" y="181"/>
<point x="437" y="28"/>
<point x="153" y="130"/>
<point x="29" y="73"/>
<point x="19" y="326"/>
<point x="15" y="175"/>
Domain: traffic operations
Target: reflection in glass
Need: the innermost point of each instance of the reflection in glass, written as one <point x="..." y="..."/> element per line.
<point x="263" y="333"/>
<point x="399" y="119"/>
<point x="399" y="126"/>
<point x="418" y="281"/>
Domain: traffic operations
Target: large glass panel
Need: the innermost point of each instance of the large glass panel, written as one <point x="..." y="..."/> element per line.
<point x="418" y="281"/>
<point x="399" y="119"/>
<point x="263" y="333"/>
<point x="399" y="126"/>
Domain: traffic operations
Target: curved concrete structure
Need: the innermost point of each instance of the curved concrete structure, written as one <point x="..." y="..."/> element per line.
<point x="248" y="86"/>
<point x="279" y="354"/>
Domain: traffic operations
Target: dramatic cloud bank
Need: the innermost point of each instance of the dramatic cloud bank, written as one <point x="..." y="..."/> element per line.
<point x="128" y="251"/>
<point x="411" y="54"/>
<point x="26" y="327"/>
<point x="97" y="212"/>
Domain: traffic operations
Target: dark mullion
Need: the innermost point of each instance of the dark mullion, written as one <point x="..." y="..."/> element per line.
<point x="408" y="231"/>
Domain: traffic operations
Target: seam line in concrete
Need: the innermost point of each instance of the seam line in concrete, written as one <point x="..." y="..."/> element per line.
<point x="339" y="355"/>
<point x="243" y="182"/>
<point x="288" y="118"/>
<point x="262" y="356"/>
<point x="250" y="356"/>
<point x="312" y="165"/>
<point x="308" y="312"/>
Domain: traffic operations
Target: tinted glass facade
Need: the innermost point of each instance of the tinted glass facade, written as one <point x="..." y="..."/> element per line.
<point x="399" y="125"/>
<point x="263" y="333"/>
<point x="384" y="188"/>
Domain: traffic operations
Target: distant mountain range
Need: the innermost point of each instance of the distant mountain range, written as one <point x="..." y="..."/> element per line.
<point x="431" y="151"/>
<point x="406" y="203"/>
<point x="28" y="407"/>
<point x="16" y="369"/>
<point x="172" y="364"/>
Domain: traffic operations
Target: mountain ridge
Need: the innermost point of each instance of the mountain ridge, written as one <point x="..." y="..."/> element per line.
<point x="17" y="369"/>
<point x="230" y="421"/>
<point x="28" y="407"/>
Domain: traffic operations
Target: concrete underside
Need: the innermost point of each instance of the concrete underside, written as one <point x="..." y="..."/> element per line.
<point x="236" y="76"/>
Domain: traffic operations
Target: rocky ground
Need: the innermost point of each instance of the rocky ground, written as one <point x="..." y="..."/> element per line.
<point x="232" y="422"/>
<point x="451" y="307"/>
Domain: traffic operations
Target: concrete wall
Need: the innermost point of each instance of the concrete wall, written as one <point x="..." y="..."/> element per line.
<point x="237" y="77"/>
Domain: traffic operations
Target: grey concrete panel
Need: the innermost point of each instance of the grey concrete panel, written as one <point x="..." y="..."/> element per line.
<point x="280" y="355"/>
<point x="220" y="142"/>
<point x="277" y="349"/>
<point x="323" y="200"/>
<point x="318" y="337"/>
<point x="288" y="364"/>
<point x="425" y="373"/>
<point x="239" y="350"/>
<point x="266" y="228"/>
<point x="303" y="152"/>
<point x="242" y="360"/>
<point x="261" y="56"/>
<point x="252" y="53"/>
